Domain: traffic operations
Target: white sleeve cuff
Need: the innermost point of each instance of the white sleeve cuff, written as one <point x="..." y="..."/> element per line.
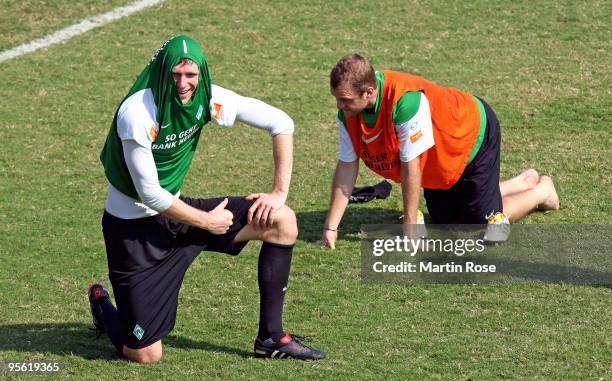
<point x="416" y="135"/>
<point x="223" y="106"/>
<point x="143" y="172"/>
<point x="261" y="115"/>
<point x="347" y="151"/>
<point x="226" y="107"/>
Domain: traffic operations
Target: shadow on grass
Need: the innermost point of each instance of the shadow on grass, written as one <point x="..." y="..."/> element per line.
<point x="57" y="338"/>
<point x="520" y="271"/>
<point x="311" y="226"/>
<point x="555" y="273"/>
<point x="311" y="222"/>
<point x="76" y="339"/>
<point x="184" y="343"/>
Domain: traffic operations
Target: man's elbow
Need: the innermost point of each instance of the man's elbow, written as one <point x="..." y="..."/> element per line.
<point x="283" y="124"/>
<point x="159" y="199"/>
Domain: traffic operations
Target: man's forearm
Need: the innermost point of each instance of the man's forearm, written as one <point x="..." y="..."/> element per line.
<point x="181" y="212"/>
<point x="411" y="190"/>
<point x="282" y="148"/>
<point x="342" y="186"/>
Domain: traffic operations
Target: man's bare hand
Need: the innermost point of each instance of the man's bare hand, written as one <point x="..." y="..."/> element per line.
<point x="263" y="209"/>
<point x="219" y="219"/>
<point x="329" y="238"/>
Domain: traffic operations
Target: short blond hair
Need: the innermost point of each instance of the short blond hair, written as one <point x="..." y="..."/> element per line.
<point x="354" y="70"/>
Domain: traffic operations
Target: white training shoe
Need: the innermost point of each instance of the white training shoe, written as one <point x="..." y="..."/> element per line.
<point x="498" y="228"/>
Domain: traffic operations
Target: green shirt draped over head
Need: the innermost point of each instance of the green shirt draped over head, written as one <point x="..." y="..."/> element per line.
<point x="185" y="121"/>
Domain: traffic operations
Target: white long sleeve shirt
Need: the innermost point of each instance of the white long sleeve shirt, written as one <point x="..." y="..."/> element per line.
<point x="138" y="112"/>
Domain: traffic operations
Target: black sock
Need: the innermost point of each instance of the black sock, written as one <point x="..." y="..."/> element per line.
<point x="109" y="317"/>
<point x="272" y="277"/>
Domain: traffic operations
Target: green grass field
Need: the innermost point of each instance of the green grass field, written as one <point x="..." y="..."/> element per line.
<point x="545" y="67"/>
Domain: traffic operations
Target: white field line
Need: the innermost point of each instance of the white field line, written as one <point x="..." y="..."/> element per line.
<point x="76" y="29"/>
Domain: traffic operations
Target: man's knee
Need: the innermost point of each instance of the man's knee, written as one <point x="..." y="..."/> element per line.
<point x="146" y="355"/>
<point x="286" y="224"/>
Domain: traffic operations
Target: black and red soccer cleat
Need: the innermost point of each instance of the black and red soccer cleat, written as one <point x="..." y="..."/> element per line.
<point x="287" y="347"/>
<point x="95" y="293"/>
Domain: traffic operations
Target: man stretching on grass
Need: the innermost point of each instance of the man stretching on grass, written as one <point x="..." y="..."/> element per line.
<point x="152" y="234"/>
<point x="420" y="134"/>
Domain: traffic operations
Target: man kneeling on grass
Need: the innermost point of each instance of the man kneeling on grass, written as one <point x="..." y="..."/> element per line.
<point x="152" y="234"/>
<point x="423" y="135"/>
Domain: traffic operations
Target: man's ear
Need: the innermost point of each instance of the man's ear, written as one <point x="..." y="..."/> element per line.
<point x="370" y="91"/>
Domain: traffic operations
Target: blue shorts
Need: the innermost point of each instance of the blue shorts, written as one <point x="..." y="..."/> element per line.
<point x="476" y="194"/>
<point x="148" y="258"/>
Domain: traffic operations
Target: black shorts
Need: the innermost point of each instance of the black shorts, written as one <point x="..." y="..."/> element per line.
<point x="476" y="194"/>
<point x="148" y="258"/>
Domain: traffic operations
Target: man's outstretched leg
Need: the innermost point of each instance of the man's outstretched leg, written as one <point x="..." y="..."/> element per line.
<point x="273" y="275"/>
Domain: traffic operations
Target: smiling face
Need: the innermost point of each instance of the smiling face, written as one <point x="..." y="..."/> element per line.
<point x="186" y="78"/>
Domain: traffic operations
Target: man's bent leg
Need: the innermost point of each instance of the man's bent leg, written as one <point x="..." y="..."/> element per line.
<point x="443" y="206"/>
<point x="273" y="268"/>
<point x="543" y="196"/>
<point x="272" y="278"/>
<point x="284" y="230"/>
<point x="526" y="180"/>
<point x="273" y="275"/>
<point x="479" y="185"/>
<point x="146" y="355"/>
<point x="552" y="201"/>
<point x="105" y="316"/>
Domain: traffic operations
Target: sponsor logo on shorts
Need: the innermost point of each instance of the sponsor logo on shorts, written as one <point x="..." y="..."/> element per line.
<point x="138" y="331"/>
